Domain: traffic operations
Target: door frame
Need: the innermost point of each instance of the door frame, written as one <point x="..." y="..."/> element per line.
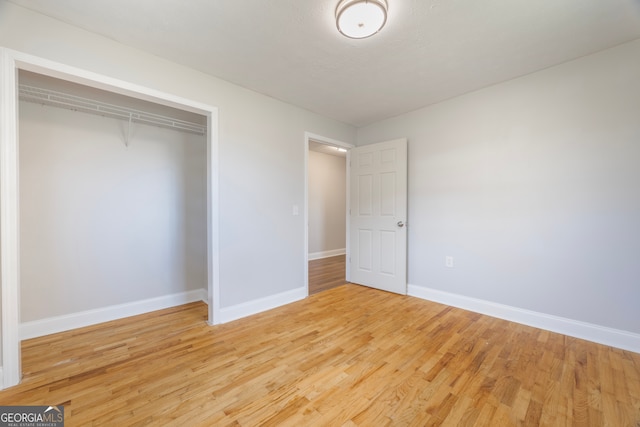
<point x="308" y="136"/>
<point x="10" y="63"/>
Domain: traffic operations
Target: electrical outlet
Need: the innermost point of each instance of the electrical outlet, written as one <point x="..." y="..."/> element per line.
<point x="448" y="261"/>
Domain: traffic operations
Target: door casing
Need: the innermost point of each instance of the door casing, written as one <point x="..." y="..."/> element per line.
<point x="10" y="63"/>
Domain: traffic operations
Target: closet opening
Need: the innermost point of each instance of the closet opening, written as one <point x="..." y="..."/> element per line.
<point x="113" y="211"/>
<point x="105" y="213"/>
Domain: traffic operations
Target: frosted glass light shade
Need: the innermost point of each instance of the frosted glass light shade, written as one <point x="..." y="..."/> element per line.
<point x="359" y="19"/>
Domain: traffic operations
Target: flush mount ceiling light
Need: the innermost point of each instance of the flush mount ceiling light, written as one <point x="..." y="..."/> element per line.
<point x="358" y="19"/>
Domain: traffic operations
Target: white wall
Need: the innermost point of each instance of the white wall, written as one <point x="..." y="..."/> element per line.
<point x="327" y="203"/>
<point x="102" y="223"/>
<point x="532" y="186"/>
<point x="261" y="150"/>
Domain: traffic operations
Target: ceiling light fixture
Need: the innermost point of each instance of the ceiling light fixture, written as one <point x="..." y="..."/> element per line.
<point x="358" y="19"/>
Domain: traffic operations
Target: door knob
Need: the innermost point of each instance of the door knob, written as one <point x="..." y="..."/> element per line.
<point x="400" y="224"/>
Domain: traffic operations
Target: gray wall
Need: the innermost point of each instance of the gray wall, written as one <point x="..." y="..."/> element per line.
<point x="327" y="202"/>
<point x="532" y="186"/>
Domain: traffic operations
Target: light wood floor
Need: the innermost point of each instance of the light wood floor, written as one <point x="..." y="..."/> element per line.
<point x="349" y="356"/>
<point x="326" y="273"/>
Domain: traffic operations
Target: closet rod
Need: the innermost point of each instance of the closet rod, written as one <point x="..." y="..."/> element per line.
<point x="64" y="100"/>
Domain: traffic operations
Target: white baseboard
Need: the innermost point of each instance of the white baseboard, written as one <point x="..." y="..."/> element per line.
<point x="327" y="254"/>
<point x="52" y="325"/>
<point x="1" y="379"/>
<point x="227" y="314"/>
<point x="587" y="331"/>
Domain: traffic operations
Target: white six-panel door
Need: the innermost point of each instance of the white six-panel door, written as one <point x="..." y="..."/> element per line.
<point x="378" y="232"/>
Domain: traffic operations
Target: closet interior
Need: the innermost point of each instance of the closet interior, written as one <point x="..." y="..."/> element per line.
<point x="113" y="203"/>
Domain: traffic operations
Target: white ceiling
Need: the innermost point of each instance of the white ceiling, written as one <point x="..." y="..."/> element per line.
<point x="429" y="51"/>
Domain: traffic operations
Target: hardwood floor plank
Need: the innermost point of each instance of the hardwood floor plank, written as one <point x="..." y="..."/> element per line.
<point x="326" y="273"/>
<point x="349" y="356"/>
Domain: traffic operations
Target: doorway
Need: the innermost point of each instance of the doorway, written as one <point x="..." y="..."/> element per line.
<point x="11" y="62"/>
<point x="326" y="212"/>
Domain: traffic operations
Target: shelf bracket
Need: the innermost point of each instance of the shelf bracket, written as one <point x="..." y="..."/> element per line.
<point x="126" y="141"/>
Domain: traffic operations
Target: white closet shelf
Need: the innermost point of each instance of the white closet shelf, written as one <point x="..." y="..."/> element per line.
<point x="86" y="105"/>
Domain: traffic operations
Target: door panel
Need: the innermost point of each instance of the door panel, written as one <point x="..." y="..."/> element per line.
<point x="365" y="247"/>
<point x="387" y="194"/>
<point x="365" y="193"/>
<point x="378" y="206"/>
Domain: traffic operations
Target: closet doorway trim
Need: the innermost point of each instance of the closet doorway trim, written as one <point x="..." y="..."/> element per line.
<point x="10" y="63"/>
